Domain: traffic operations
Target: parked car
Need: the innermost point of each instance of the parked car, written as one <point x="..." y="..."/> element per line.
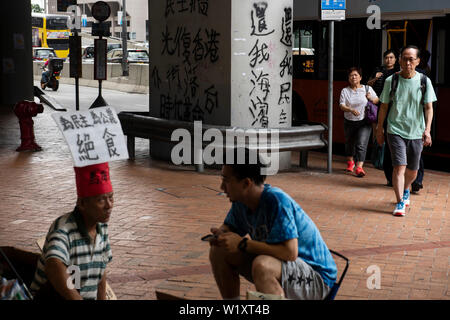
<point x="43" y="54"/>
<point x="134" y="56"/>
<point x="112" y="46"/>
<point x="88" y="52"/>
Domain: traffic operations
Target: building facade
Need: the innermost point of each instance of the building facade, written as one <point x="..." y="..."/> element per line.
<point x="137" y="17"/>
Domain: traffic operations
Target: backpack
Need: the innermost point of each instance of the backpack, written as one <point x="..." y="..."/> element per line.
<point x="394" y="85"/>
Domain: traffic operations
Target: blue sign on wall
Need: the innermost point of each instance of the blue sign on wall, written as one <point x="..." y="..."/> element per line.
<point x="333" y="5"/>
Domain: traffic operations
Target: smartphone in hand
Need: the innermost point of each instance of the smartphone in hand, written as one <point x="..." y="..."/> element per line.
<point x="209" y="237"/>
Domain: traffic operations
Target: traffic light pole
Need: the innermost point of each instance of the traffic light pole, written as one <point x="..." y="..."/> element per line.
<point x="75" y="63"/>
<point x="77" y="85"/>
<point x="100" y="11"/>
<point x="99" y="102"/>
<point x="125" y="70"/>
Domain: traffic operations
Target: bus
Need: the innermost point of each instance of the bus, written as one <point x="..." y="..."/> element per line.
<point x="51" y="31"/>
<point x="403" y="22"/>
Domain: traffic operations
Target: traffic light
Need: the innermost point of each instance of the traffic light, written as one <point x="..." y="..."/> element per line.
<point x="63" y="4"/>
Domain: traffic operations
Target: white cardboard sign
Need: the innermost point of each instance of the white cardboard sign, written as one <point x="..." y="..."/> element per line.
<point x="94" y="136"/>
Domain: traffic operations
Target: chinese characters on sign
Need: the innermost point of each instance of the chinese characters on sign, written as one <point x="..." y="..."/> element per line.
<point x="266" y="91"/>
<point x="190" y="49"/>
<point x="93" y="136"/>
<point x="333" y="9"/>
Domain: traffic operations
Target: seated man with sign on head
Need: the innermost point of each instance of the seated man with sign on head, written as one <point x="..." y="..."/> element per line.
<point x="77" y="250"/>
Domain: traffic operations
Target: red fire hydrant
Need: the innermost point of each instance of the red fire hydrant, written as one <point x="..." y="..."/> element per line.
<point x="25" y="110"/>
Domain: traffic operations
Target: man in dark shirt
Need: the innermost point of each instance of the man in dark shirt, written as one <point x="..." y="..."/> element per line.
<point x="389" y="68"/>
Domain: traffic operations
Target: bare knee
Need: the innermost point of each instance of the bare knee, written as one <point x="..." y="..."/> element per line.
<point x="264" y="267"/>
<point x="411" y="173"/>
<point x="399" y="170"/>
<point x="216" y="254"/>
<point x="219" y="255"/>
<point x="266" y="273"/>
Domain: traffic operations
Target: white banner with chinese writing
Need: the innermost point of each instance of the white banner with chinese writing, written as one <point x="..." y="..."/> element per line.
<point x="94" y="136"/>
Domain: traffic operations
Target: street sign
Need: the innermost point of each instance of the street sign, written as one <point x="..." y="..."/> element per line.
<point x="333" y="15"/>
<point x="333" y="5"/>
<point x="101" y="10"/>
<point x="332" y="9"/>
<point x="100" y="59"/>
<point x="100" y="30"/>
<point x="75" y="56"/>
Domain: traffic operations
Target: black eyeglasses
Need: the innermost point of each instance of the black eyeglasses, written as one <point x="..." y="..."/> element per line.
<point x="410" y="60"/>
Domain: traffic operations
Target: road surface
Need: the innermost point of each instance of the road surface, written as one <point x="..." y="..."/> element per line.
<point x="121" y="101"/>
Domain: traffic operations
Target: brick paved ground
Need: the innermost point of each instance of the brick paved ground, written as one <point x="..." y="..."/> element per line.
<point x="161" y="211"/>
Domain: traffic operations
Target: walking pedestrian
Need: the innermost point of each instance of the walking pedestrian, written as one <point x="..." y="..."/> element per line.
<point x="357" y="130"/>
<point x="425" y="69"/>
<point x="388" y="68"/>
<point x="408" y="123"/>
<point x="377" y="80"/>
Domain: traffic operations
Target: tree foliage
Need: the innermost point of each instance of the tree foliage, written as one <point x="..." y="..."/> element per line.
<point x="36" y="8"/>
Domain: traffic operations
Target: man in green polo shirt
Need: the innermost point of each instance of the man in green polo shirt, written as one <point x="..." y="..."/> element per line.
<point x="77" y="250"/>
<point x="408" y="124"/>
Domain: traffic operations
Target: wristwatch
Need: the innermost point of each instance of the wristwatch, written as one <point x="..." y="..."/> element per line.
<point x="243" y="245"/>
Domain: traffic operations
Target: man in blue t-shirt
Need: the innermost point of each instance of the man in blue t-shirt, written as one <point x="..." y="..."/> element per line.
<point x="268" y="238"/>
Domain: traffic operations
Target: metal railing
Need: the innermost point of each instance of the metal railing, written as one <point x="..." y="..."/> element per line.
<point x="300" y="138"/>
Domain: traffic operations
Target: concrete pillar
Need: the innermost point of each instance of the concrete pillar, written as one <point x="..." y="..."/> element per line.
<point x="15" y="52"/>
<point x="225" y="62"/>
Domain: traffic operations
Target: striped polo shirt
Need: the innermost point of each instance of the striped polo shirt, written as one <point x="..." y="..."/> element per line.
<point x="69" y="241"/>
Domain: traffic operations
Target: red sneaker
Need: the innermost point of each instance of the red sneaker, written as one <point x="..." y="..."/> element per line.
<point x="360" y="172"/>
<point x="350" y="166"/>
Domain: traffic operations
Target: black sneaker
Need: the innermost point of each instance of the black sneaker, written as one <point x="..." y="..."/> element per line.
<point x="415" y="187"/>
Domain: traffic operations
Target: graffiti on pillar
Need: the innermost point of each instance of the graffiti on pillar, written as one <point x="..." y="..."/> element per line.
<point x="258" y="15"/>
<point x="259" y="54"/>
<point x="286" y="27"/>
<point x="190" y="81"/>
<point x="211" y="102"/>
<point x="212" y="49"/>
<point x="190" y="49"/>
<point x="283" y="117"/>
<point x="285" y="90"/>
<point x="286" y="64"/>
<point x="173" y="77"/>
<point x="155" y="77"/>
<point x="259" y="111"/>
<point x="189" y="6"/>
<point x="264" y="95"/>
<point x="260" y="82"/>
